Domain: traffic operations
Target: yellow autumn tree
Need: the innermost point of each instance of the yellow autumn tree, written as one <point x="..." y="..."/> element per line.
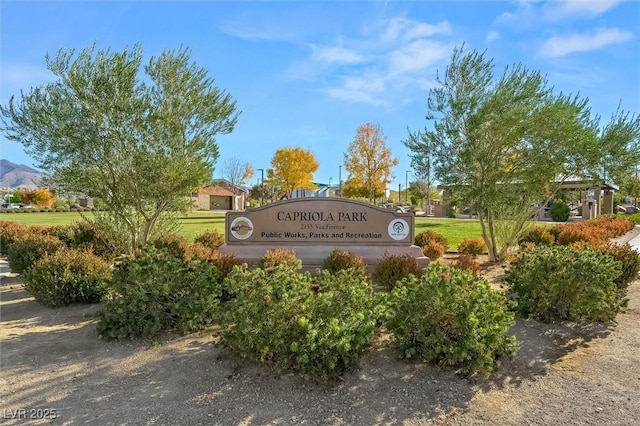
<point x="369" y="162"/>
<point x="291" y="169"/>
<point x="39" y="197"/>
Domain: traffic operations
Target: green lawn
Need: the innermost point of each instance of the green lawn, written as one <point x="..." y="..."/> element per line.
<point x="193" y="224"/>
<point x="454" y="230"/>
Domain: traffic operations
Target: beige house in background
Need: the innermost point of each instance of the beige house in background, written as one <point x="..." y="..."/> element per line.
<point x="221" y="196"/>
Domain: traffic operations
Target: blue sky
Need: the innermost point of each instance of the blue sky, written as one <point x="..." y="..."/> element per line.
<point x="309" y="74"/>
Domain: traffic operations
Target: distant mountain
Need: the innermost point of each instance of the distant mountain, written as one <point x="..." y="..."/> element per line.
<point x="19" y="176"/>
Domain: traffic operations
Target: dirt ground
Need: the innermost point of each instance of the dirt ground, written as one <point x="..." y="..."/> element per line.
<point x="54" y="365"/>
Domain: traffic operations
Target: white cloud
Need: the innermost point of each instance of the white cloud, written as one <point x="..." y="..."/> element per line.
<point x="564" y="45"/>
<point x="336" y="55"/>
<point x="401" y="28"/>
<point x="378" y="67"/>
<point x="266" y="34"/>
<point x="365" y="88"/>
<point x="570" y="8"/>
<point x="491" y="36"/>
<point x="529" y="13"/>
<point x="417" y="56"/>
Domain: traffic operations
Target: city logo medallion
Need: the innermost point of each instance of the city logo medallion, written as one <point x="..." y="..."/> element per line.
<point x="241" y="228"/>
<point x="398" y="229"/>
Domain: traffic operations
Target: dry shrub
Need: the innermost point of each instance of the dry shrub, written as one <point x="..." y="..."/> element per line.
<point x="433" y="250"/>
<point x="393" y="268"/>
<point x="9" y="233"/>
<point x="594" y="231"/>
<point x="467" y="262"/>
<point x="273" y="258"/>
<point x="473" y="247"/>
<point x="424" y="237"/>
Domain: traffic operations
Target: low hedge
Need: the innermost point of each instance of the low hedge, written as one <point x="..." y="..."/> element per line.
<point x="68" y="276"/>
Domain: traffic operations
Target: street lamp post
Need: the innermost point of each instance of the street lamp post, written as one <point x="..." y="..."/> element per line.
<point x="340" y="180"/>
<point x="406" y="187"/>
<point x="261" y="187"/>
<point x="329" y="189"/>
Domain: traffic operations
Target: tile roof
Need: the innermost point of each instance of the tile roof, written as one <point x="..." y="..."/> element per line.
<point x="215" y="190"/>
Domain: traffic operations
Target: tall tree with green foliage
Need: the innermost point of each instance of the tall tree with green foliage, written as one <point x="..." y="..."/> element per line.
<point x="619" y="144"/>
<point x="139" y="143"/>
<point x="506" y="142"/>
<point x="422" y="160"/>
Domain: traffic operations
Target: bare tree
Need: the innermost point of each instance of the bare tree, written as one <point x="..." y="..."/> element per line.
<point x="237" y="173"/>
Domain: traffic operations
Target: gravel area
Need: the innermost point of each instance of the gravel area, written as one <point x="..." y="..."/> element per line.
<point x="52" y="364"/>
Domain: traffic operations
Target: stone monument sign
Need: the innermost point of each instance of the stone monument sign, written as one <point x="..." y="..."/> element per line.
<point x="314" y="227"/>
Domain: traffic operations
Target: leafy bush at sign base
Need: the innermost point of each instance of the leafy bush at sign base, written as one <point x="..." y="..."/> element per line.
<point x="343" y="259"/>
<point x="275" y="257"/>
<point x="175" y="244"/>
<point x="212" y="239"/>
<point x="566" y="283"/>
<point x="392" y="268"/>
<point x="318" y="325"/>
<point x="452" y="318"/>
<point x="68" y="276"/>
<point x="155" y="292"/>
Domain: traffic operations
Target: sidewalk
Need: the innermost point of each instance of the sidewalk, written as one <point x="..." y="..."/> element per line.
<point x="635" y="242"/>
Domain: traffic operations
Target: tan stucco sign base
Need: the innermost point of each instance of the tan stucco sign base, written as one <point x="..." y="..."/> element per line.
<point x="314" y="227"/>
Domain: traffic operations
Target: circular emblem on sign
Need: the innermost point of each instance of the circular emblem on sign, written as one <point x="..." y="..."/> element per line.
<point x="398" y="229"/>
<point x="241" y="228"/>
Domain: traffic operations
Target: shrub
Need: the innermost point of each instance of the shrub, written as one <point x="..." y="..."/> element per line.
<point x="155" y="292"/>
<point x="317" y="325"/>
<point x="97" y="237"/>
<point x="425" y="237"/>
<point x="9" y="233"/>
<point x="211" y="239"/>
<point x="343" y="259"/>
<point x="26" y="251"/>
<point x="565" y="283"/>
<point x="539" y="235"/>
<point x="273" y="258"/>
<point x="225" y="262"/>
<point x="392" y="268"/>
<point x="450" y="317"/>
<point x="629" y="259"/>
<point x="594" y="231"/>
<point x="472" y="246"/>
<point x="559" y="211"/>
<point x="433" y="250"/>
<point x="468" y="263"/>
<point x="175" y="244"/>
<point x="68" y="276"/>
